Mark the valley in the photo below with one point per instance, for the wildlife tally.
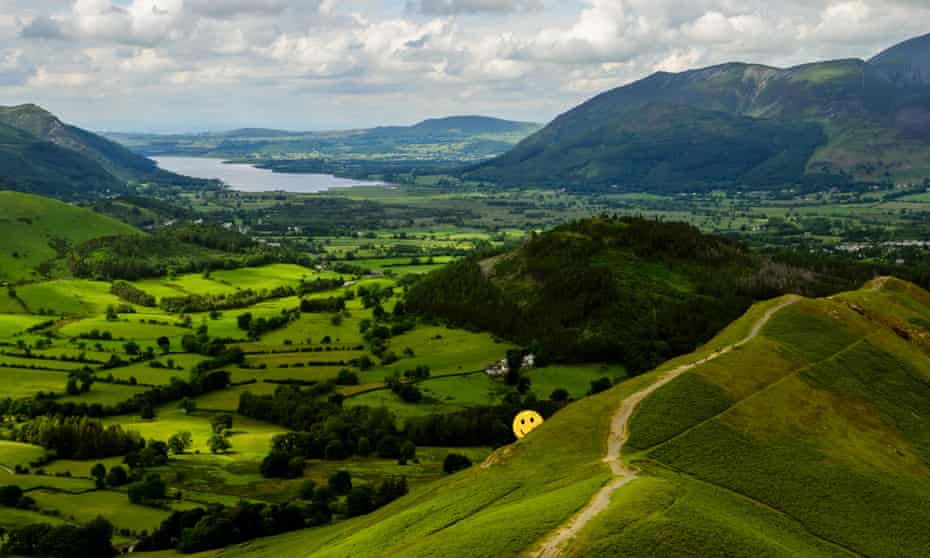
(689, 317)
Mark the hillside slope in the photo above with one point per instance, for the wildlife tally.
(631, 291)
(874, 116)
(36, 230)
(809, 440)
(41, 154)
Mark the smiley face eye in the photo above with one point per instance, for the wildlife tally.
(522, 421)
(532, 420)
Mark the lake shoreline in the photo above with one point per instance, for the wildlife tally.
(248, 178)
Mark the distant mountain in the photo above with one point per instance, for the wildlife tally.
(874, 119)
(449, 141)
(41, 154)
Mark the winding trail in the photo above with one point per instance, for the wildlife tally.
(552, 546)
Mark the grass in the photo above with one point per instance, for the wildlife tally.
(11, 324)
(576, 379)
(20, 383)
(113, 505)
(105, 394)
(11, 518)
(14, 453)
(30, 223)
(73, 297)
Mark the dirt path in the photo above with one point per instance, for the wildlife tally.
(620, 433)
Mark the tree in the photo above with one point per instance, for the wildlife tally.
(131, 348)
(359, 501)
(71, 388)
(408, 452)
(164, 344)
(112, 316)
(117, 476)
(307, 489)
(599, 385)
(514, 362)
(99, 472)
(149, 489)
(222, 422)
(244, 321)
(180, 442)
(559, 395)
(455, 462)
(340, 482)
(347, 378)
(218, 444)
(364, 446)
(147, 412)
(188, 405)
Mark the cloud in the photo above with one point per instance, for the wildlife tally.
(351, 63)
(43, 27)
(450, 7)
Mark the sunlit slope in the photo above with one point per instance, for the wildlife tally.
(812, 440)
(504, 509)
(35, 230)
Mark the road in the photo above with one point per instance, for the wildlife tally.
(552, 545)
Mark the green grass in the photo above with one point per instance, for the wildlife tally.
(19, 383)
(14, 453)
(11, 518)
(576, 379)
(11, 324)
(128, 327)
(105, 394)
(69, 296)
(29, 223)
(113, 505)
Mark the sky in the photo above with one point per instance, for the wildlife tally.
(196, 65)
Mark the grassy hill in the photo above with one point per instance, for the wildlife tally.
(41, 154)
(631, 291)
(614, 139)
(810, 440)
(36, 230)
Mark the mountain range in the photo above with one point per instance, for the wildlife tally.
(739, 126)
(41, 154)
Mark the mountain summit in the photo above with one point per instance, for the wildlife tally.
(852, 120)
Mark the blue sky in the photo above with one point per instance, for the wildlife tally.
(192, 65)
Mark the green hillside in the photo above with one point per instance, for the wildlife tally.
(41, 154)
(806, 435)
(36, 230)
(620, 139)
(631, 291)
(30, 165)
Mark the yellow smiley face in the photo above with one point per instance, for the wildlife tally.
(526, 422)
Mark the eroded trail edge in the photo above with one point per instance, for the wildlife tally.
(553, 545)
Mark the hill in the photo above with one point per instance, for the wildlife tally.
(36, 231)
(631, 291)
(28, 164)
(805, 436)
(41, 154)
(872, 116)
(434, 145)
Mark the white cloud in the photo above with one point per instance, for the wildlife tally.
(398, 61)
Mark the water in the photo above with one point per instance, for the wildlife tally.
(246, 178)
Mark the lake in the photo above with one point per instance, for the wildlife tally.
(246, 178)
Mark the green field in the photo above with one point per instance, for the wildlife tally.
(30, 224)
(14, 453)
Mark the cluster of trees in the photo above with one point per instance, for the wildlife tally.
(260, 326)
(201, 382)
(132, 294)
(217, 302)
(329, 305)
(323, 429)
(220, 526)
(79, 437)
(12, 496)
(92, 540)
(625, 290)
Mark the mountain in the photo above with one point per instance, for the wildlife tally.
(36, 231)
(631, 291)
(41, 154)
(444, 143)
(801, 430)
(873, 117)
(29, 164)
